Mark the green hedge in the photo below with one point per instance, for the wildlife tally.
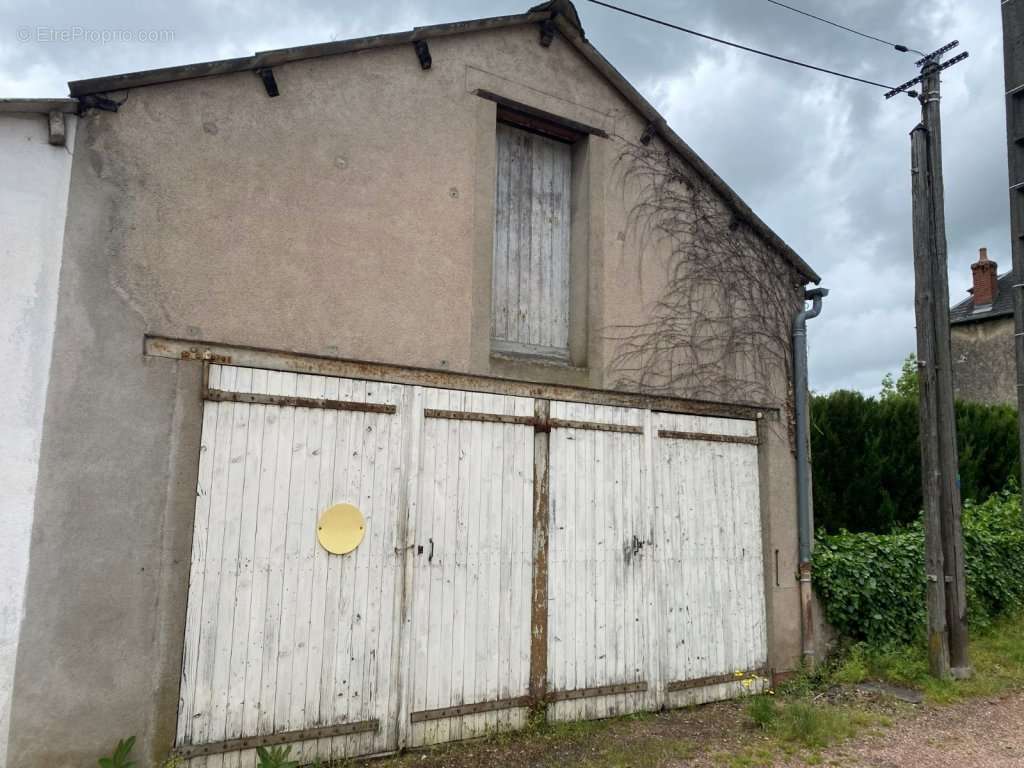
(867, 463)
(873, 585)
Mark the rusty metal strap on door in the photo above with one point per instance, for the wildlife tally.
(601, 690)
(470, 709)
(541, 553)
(287, 737)
(708, 437)
(530, 421)
(221, 396)
(702, 682)
(493, 418)
(595, 425)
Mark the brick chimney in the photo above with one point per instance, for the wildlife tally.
(986, 287)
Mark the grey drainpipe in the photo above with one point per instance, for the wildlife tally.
(803, 466)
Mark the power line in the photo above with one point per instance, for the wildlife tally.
(898, 46)
(737, 45)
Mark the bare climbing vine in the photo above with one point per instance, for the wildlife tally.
(720, 330)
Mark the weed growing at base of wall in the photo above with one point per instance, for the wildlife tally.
(275, 757)
(120, 757)
(873, 585)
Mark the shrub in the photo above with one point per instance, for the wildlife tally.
(867, 461)
(994, 556)
(873, 585)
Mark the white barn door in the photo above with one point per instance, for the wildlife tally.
(468, 618)
(656, 591)
(601, 578)
(282, 637)
(709, 558)
(423, 634)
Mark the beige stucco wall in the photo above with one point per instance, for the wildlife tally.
(983, 361)
(348, 217)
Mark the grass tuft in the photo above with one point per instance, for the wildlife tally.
(803, 723)
(762, 710)
(997, 656)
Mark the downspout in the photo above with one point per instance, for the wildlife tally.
(803, 468)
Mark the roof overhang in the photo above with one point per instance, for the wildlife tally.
(38, 106)
(273, 58)
(561, 12)
(981, 317)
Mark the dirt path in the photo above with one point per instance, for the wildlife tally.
(977, 734)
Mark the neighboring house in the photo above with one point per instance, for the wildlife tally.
(37, 137)
(981, 337)
(394, 273)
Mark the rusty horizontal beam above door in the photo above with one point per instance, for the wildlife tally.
(220, 396)
(278, 360)
(494, 418)
(702, 682)
(595, 425)
(470, 709)
(601, 690)
(708, 437)
(286, 737)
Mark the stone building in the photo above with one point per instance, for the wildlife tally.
(981, 336)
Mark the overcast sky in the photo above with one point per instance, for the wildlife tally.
(825, 162)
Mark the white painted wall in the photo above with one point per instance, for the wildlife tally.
(33, 205)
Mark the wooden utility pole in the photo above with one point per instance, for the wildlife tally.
(931, 480)
(952, 533)
(944, 559)
(1013, 73)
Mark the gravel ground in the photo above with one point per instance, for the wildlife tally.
(985, 733)
(980, 733)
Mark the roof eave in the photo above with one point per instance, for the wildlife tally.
(273, 58)
(982, 317)
(37, 106)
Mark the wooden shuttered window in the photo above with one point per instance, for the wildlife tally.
(530, 283)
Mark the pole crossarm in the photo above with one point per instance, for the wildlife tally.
(930, 58)
(936, 54)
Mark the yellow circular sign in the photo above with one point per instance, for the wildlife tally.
(341, 529)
